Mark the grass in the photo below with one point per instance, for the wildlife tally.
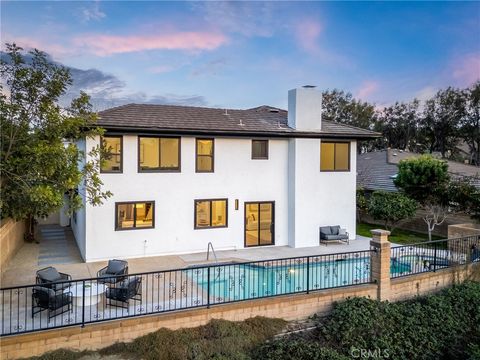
(397, 236)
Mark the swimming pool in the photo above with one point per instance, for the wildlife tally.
(252, 280)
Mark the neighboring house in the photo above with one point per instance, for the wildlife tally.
(186, 176)
(376, 170)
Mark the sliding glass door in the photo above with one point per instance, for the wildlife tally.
(259, 223)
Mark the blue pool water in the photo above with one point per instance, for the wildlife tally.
(247, 281)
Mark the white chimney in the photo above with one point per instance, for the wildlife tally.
(305, 108)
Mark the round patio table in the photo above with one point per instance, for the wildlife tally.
(93, 293)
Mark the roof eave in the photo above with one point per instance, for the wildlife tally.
(237, 133)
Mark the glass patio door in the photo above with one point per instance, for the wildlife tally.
(259, 223)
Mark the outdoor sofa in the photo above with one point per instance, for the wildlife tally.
(333, 233)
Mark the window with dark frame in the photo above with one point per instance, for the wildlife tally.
(112, 154)
(211, 213)
(204, 159)
(334, 156)
(157, 154)
(260, 149)
(134, 215)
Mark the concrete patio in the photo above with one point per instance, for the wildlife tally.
(31, 257)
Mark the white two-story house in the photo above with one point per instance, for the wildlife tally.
(182, 177)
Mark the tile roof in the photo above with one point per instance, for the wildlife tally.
(375, 169)
(260, 120)
(374, 172)
(454, 167)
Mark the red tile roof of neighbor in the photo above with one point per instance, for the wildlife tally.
(262, 120)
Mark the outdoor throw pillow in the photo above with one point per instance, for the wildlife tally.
(115, 267)
(335, 229)
(50, 275)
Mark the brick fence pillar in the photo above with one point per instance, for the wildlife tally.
(381, 262)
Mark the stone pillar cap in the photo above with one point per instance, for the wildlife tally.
(380, 232)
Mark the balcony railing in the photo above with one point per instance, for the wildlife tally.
(34, 308)
(434, 255)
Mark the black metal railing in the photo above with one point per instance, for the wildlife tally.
(79, 302)
(433, 255)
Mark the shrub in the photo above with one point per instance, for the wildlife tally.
(391, 207)
(290, 348)
(442, 326)
(62, 354)
(219, 339)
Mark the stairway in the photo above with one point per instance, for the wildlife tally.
(57, 246)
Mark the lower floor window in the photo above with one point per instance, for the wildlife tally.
(211, 213)
(134, 215)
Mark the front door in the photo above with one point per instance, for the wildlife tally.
(259, 223)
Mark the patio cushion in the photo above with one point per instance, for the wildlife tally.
(325, 230)
(45, 292)
(50, 275)
(335, 229)
(115, 267)
(342, 232)
(336, 237)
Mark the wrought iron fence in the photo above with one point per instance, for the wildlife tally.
(79, 302)
(433, 255)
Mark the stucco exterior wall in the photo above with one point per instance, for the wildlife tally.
(77, 222)
(316, 198)
(320, 198)
(236, 176)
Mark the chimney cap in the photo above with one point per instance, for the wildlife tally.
(309, 86)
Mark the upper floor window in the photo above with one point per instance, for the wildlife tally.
(334, 156)
(134, 215)
(211, 213)
(259, 149)
(158, 154)
(204, 155)
(111, 154)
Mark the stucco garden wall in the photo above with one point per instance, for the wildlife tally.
(11, 240)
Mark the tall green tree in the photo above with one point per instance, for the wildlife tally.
(426, 180)
(39, 158)
(465, 195)
(342, 107)
(440, 125)
(470, 123)
(400, 125)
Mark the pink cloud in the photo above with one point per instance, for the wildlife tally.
(104, 45)
(307, 33)
(54, 50)
(466, 70)
(367, 88)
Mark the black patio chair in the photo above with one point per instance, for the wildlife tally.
(111, 274)
(50, 277)
(121, 294)
(44, 298)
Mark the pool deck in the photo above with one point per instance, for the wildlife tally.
(21, 269)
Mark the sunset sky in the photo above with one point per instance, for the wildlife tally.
(244, 54)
